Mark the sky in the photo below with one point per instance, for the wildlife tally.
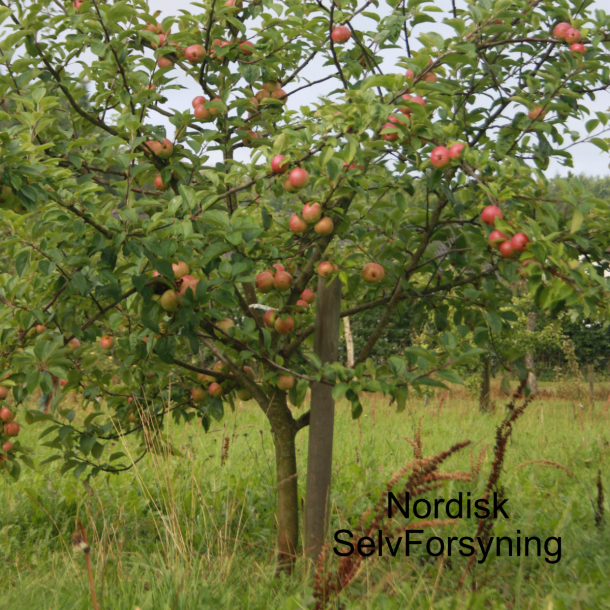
(586, 157)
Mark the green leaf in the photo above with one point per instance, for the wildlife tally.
(339, 390)
(22, 262)
(577, 220)
(166, 349)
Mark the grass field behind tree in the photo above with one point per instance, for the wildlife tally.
(197, 531)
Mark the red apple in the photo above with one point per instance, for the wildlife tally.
(302, 305)
(312, 212)
(225, 324)
(219, 367)
(195, 53)
(389, 137)
(264, 282)
(40, 328)
(163, 150)
(246, 47)
(180, 269)
(204, 379)
(519, 242)
(188, 281)
(496, 238)
(277, 267)
(506, 249)
(277, 164)
(439, 157)
(309, 296)
(430, 77)
(324, 226)
(298, 177)
(490, 213)
(455, 151)
(159, 183)
(288, 186)
(410, 74)
(11, 429)
(106, 342)
(249, 371)
(198, 101)
(165, 62)
(285, 383)
(215, 390)
(284, 325)
(8, 446)
(6, 415)
(325, 269)
(198, 394)
(579, 48)
(282, 281)
(279, 94)
(537, 113)
(271, 86)
(561, 29)
(411, 98)
(74, 343)
(297, 224)
(341, 34)
(3, 392)
(63, 382)
(201, 113)
(77, 4)
(372, 273)
(573, 35)
(270, 317)
(169, 300)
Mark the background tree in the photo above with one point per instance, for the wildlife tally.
(250, 193)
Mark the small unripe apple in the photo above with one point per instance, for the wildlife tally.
(278, 166)
(198, 394)
(3, 392)
(439, 157)
(298, 177)
(270, 317)
(6, 415)
(455, 150)
(285, 382)
(264, 282)
(297, 224)
(198, 101)
(159, 183)
(573, 35)
(326, 269)
(279, 94)
(538, 113)
(180, 269)
(225, 325)
(11, 429)
(74, 343)
(246, 47)
(219, 367)
(324, 226)
(519, 242)
(579, 48)
(490, 213)
(201, 113)
(372, 273)
(188, 281)
(561, 29)
(312, 212)
(249, 371)
(288, 186)
(284, 325)
(506, 249)
(215, 390)
(244, 394)
(165, 62)
(341, 34)
(410, 74)
(204, 379)
(195, 53)
(106, 342)
(309, 296)
(8, 446)
(271, 86)
(169, 300)
(40, 328)
(282, 281)
(496, 238)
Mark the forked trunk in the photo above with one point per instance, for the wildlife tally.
(283, 427)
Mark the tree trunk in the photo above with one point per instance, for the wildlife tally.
(529, 357)
(321, 421)
(484, 399)
(284, 431)
(349, 342)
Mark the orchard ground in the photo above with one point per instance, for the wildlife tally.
(197, 531)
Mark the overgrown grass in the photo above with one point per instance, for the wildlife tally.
(191, 532)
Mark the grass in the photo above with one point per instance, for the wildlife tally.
(193, 532)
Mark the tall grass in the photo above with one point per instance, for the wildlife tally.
(198, 531)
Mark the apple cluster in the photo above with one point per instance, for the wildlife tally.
(508, 246)
(10, 426)
(564, 31)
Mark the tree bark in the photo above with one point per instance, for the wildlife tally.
(321, 421)
(529, 357)
(284, 431)
(349, 342)
(484, 399)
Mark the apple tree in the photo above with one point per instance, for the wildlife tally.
(212, 261)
